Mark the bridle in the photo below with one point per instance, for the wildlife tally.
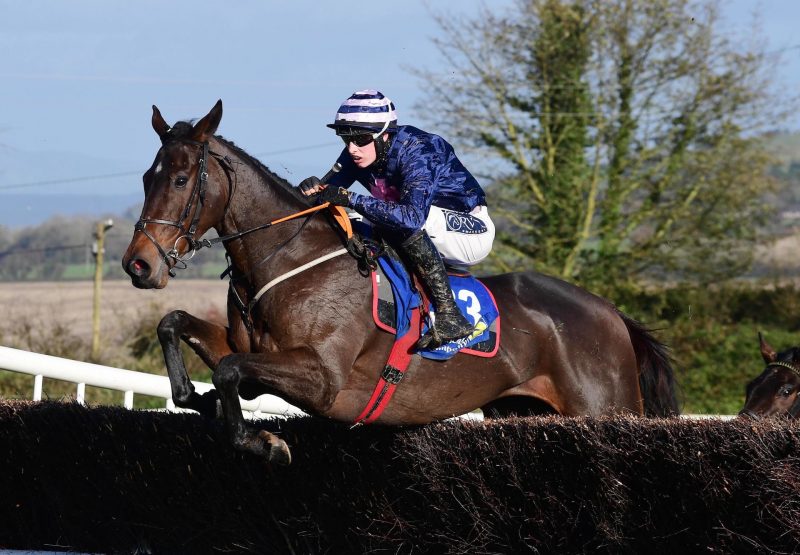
(199, 191)
(782, 364)
(171, 257)
(793, 410)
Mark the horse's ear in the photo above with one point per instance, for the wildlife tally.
(767, 352)
(161, 127)
(207, 126)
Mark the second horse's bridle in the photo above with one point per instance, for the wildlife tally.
(788, 365)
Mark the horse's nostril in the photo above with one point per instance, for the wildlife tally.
(748, 414)
(138, 267)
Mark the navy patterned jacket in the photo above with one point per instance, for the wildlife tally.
(424, 170)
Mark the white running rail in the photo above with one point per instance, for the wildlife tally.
(130, 382)
(83, 373)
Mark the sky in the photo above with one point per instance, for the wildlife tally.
(78, 79)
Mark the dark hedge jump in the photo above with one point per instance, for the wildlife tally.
(117, 481)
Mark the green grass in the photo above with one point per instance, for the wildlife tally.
(211, 271)
(15, 385)
(79, 271)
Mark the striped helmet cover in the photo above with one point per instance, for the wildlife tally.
(367, 109)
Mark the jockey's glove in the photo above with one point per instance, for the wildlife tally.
(338, 196)
(308, 184)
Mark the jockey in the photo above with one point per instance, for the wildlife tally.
(421, 195)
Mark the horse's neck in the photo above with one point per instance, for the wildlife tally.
(257, 200)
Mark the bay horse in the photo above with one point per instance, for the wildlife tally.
(776, 391)
(310, 339)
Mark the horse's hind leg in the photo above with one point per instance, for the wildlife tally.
(206, 339)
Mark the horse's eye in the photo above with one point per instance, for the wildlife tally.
(786, 390)
(181, 181)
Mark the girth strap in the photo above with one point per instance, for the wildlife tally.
(393, 372)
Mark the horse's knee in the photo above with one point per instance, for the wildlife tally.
(226, 375)
(168, 326)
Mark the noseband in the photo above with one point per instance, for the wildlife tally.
(199, 191)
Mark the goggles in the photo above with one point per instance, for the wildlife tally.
(360, 139)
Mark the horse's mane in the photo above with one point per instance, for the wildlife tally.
(182, 130)
(789, 355)
(264, 170)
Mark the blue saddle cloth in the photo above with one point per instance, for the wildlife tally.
(472, 297)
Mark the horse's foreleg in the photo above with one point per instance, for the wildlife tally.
(296, 375)
(206, 339)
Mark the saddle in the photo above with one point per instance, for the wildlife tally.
(397, 307)
(395, 296)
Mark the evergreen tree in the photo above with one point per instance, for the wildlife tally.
(619, 137)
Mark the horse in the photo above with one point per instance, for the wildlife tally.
(310, 339)
(776, 391)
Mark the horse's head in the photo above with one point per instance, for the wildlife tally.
(186, 190)
(775, 392)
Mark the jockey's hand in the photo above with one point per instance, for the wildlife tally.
(310, 186)
(338, 196)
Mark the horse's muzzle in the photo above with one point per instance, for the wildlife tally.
(138, 268)
(142, 275)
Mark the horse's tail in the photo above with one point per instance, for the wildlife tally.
(656, 377)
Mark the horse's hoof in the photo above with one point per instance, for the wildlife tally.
(278, 451)
(266, 445)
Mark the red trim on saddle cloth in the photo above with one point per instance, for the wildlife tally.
(393, 372)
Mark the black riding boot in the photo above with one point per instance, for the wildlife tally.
(449, 323)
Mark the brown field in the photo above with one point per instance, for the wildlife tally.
(70, 303)
(56, 318)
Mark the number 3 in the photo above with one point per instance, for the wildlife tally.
(473, 304)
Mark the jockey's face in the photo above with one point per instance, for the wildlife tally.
(363, 156)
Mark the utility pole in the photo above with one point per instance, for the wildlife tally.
(97, 251)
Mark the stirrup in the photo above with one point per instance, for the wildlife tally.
(433, 339)
(430, 340)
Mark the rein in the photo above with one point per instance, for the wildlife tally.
(210, 242)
